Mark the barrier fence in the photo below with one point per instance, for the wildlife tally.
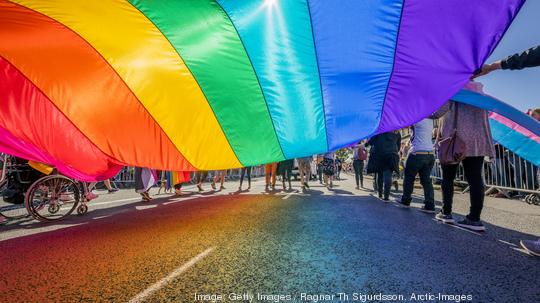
(126, 177)
(507, 174)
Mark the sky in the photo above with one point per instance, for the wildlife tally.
(518, 88)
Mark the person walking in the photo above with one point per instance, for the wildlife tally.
(470, 125)
(528, 58)
(338, 164)
(328, 169)
(420, 161)
(219, 176)
(284, 169)
(320, 168)
(385, 160)
(270, 170)
(359, 156)
(145, 178)
(304, 168)
(200, 177)
(243, 172)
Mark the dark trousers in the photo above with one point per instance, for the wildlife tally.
(243, 172)
(472, 167)
(384, 182)
(319, 172)
(421, 165)
(358, 166)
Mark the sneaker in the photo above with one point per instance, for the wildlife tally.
(444, 218)
(471, 225)
(113, 190)
(386, 199)
(358, 187)
(91, 196)
(306, 184)
(200, 188)
(533, 247)
(428, 209)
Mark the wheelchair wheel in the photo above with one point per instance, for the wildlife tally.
(52, 198)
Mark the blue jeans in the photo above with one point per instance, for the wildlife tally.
(421, 165)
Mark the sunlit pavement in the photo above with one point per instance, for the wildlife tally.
(267, 244)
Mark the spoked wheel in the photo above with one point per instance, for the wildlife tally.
(52, 198)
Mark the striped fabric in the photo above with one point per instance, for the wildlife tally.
(183, 85)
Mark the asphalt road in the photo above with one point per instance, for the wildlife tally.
(297, 246)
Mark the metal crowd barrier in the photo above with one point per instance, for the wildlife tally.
(126, 176)
(506, 173)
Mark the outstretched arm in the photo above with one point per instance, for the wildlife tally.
(528, 58)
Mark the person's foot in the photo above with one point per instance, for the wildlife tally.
(239, 188)
(284, 187)
(200, 188)
(213, 185)
(91, 196)
(428, 209)
(249, 187)
(471, 225)
(444, 218)
(221, 187)
(306, 184)
(386, 199)
(273, 187)
(532, 247)
(113, 190)
(357, 187)
(146, 197)
(266, 187)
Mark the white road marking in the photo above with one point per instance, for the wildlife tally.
(143, 207)
(114, 201)
(287, 196)
(158, 285)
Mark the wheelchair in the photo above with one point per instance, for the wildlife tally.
(26, 191)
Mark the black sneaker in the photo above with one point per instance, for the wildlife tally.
(428, 209)
(471, 225)
(444, 218)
